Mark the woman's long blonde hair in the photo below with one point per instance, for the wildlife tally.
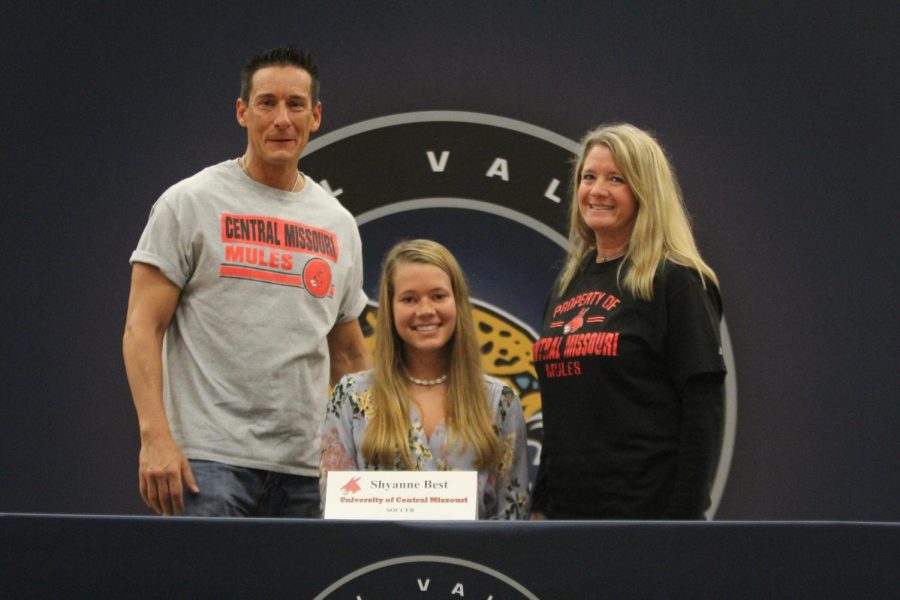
(662, 229)
(467, 415)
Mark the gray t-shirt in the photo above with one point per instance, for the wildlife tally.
(264, 276)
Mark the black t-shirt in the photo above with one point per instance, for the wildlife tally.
(611, 370)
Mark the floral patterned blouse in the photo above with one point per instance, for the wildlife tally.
(502, 491)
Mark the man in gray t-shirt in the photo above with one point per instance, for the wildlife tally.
(246, 288)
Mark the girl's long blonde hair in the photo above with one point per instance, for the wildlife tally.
(467, 415)
(662, 229)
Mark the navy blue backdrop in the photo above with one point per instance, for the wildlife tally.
(780, 118)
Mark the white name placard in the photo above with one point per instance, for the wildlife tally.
(413, 495)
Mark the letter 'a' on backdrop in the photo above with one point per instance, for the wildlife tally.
(495, 191)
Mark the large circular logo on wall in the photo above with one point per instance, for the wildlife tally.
(495, 192)
(425, 577)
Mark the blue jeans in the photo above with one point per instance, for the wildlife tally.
(229, 491)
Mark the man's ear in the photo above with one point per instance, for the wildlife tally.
(317, 117)
(239, 109)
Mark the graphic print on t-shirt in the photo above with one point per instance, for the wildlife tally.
(560, 354)
(273, 251)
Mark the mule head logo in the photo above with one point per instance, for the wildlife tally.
(351, 487)
(576, 323)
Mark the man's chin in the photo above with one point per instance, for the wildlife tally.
(282, 159)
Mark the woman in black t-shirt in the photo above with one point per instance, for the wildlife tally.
(629, 360)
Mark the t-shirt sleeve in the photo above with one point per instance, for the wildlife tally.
(693, 316)
(354, 299)
(163, 244)
(703, 406)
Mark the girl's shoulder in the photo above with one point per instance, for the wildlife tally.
(353, 387)
(498, 390)
(356, 381)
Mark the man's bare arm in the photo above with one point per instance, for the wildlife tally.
(348, 350)
(163, 469)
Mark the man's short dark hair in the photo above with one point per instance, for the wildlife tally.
(288, 55)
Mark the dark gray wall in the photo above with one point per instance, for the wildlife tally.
(780, 117)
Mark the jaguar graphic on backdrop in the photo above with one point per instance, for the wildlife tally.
(495, 191)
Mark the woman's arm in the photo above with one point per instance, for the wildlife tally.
(512, 479)
(702, 401)
(338, 444)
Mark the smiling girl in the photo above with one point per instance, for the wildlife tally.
(427, 405)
